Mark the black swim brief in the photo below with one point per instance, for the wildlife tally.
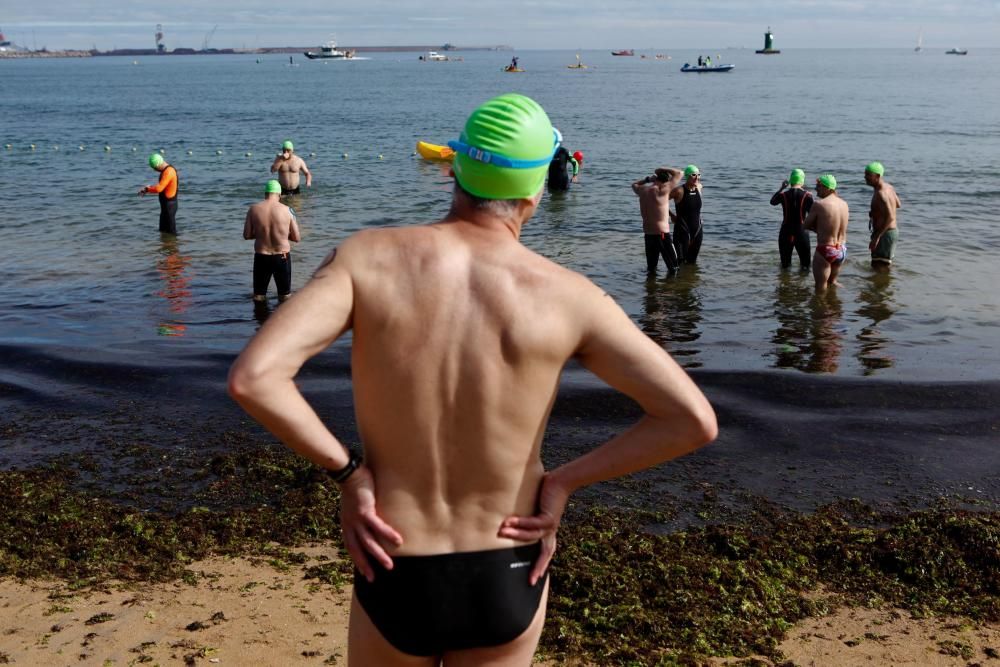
(294, 191)
(428, 605)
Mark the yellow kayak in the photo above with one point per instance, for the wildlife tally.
(512, 69)
(434, 152)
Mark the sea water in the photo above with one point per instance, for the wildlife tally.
(87, 278)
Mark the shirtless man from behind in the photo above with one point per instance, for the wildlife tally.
(460, 334)
(654, 206)
(288, 165)
(882, 215)
(828, 218)
(273, 228)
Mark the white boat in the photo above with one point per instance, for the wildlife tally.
(920, 42)
(328, 50)
(434, 56)
(957, 52)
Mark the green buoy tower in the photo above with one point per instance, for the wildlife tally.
(768, 43)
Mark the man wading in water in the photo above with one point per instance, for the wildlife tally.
(459, 337)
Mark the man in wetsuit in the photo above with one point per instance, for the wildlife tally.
(688, 230)
(166, 189)
(654, 206)
(795, 204)
(273, 228)
(882, 216)
(828, 218)
(288, 166)
(460, 334)
(559, 168)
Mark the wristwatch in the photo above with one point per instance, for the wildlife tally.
(340, 476)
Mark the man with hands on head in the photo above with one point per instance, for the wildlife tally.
(654, 207)
(460, 334)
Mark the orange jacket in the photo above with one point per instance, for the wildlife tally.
(167, 184)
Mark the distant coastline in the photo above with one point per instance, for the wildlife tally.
(415, 48)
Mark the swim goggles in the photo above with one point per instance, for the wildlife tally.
(498, 160)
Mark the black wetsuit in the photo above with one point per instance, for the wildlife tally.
(688, 230)
(279, 266)
(657, 245)
(168, 208)
(795, 205)
(558, 171)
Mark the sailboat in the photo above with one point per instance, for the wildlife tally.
(920, 42)
(579, 64)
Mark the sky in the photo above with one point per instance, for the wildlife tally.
(534, 24)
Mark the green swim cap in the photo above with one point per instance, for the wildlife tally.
(691, 169)
(797, 177)
(875, 168)
(505, 149)
(273, 187)
(828, 181)
(155, 160)
(287, 146)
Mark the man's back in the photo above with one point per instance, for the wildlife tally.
(885, 201)
(654, 206)
(273, 226)
(831, 214)
(459, 339)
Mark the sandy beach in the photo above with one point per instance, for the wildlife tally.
(244, 611)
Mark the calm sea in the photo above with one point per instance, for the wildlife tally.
(87, 277)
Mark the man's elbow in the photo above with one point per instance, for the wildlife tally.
(242, 383)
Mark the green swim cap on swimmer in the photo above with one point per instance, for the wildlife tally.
(691, 169)
(875, 168)
(827, 181)
(273, 187)
(287, 146)
(155, 160)
(505, 149)
(797, 177)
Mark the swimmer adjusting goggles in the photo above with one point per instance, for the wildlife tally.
(498, 160)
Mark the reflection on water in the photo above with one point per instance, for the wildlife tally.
(261, 311)
(809, 336)
(672, 312)
(171, 266)
(879, 300)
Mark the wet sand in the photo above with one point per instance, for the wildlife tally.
(799, 441)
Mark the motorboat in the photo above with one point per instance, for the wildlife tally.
(434, 56)
(327, 51)
(706, 68)
(957, 52)
(623, 52)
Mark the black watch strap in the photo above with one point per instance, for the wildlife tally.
(340, 476)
